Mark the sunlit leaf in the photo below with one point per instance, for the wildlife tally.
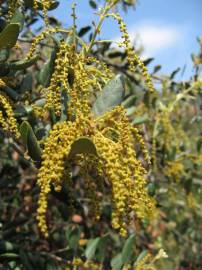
(82, 145)
(30, 141)
(9, 35)
(111, 96)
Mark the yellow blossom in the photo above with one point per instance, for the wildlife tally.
(7, 119)
(116, 160)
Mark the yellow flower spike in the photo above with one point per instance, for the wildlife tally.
(117, 161)
(112, 134)
(124, 171)
(38, 39)
(38, 111)
(13, 5)
(46, 5)
(8, 122)
(174, 170)
(141, 141)
(106, 72)
(56, 148)
(144, 263)
(91, 189)
(133, 58)
(82, 80)
(168, 131)
(58, 79)
(153, 154)
(35, 4)
(191, 201)
(80, 93)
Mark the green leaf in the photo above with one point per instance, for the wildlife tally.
(19, 18)
(26, 85)
(4, 54)
(22, 111)
(148, 61)
(9, 35)
(51, 266)
(2, 23)
(83, 31)
(91, 248)
(82, 145)
(9, 255)
(37, 260)
(123, 258)
(174, 73)
(151, 188)
(24, 257)
(115, 54)
(47, 70)
(73, 238)
(11, 93)
(102, 248)
(30, 141)
(112, 95)
(130, 101)
(116, 262)
(24, 131)
(41, 133)
(71, 76)
(141, 256)
(13, 265)
(23, 64)
(6, 247)
(4, 70)
(130, 111)
(140, 120)
(34, 149)
(156, 69)
(40, 102)
(53, 116)
(128, 249)
(64, 103)
(93, 4)
(199, 144)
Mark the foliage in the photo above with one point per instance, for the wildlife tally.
(79, 120)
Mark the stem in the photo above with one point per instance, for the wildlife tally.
(74, 23)
(97, 30)
(106, 8)
(105, 41)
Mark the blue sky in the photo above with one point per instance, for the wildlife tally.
(166, 29)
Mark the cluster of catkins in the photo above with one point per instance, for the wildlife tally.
(113, 136)
(7, 119)
(37, 4)
(78, 75)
